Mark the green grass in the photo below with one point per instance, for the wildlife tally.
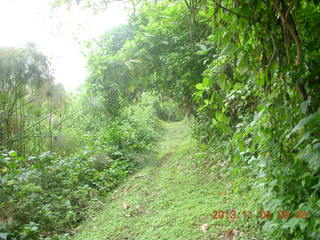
(171, 197)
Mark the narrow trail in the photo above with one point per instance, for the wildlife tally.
(170, 198)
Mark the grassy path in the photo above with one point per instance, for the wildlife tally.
(170, 198)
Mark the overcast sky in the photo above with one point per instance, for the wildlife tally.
(56, 33)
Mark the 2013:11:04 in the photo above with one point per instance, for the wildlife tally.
(232, 214)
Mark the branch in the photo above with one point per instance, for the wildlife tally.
(187, 4)
(274, 49)
(238, 14)
(21, 106)
(17, 135)
(29, 136)
(199, 36)
(290, 29)
(72, 115)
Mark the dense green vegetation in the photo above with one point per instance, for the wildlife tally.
(30, 102)
(47, 194)
(173, 196)
(245, 71)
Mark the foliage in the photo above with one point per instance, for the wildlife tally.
(42, 195)
(30, 102)
(254, 95)
(248, 71)
(156, 194)
(133, 131)
(168, 110)
(47, 194)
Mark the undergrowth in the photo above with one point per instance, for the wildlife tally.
(46, 196)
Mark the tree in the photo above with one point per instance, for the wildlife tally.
(27, 93)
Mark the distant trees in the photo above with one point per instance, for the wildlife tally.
(29, 99)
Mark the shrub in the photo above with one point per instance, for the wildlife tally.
(168, 111)
(46, 194)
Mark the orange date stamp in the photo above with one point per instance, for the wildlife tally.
(247, 215)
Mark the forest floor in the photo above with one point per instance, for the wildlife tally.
(172, 197)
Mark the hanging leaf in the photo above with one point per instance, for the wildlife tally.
(311, 119)
(261, 78)
(200, 86)
(242, 63)
(206, 82)
(224, 128)
(312, 157)
(221, 117)
(12, 154)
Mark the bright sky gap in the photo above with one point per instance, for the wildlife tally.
(58, 33)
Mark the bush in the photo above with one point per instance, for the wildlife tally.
(42, 195)
(129, 134)
(167, 110)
